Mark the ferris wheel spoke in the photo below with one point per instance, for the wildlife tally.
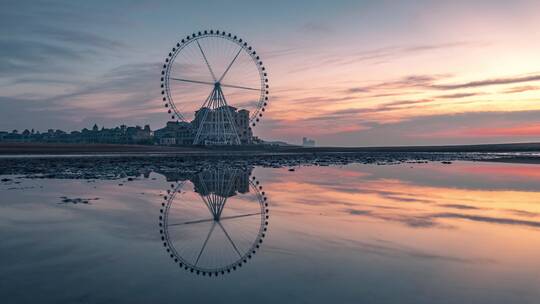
(239, 87)
(205, 242)
(206, 60)
(193, 81)
(239, 216)
(190, 222)
(230, 64)
(230, 240)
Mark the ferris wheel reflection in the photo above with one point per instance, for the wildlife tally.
(214, 222)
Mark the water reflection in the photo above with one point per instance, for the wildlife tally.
(415, 233)
(214, 221)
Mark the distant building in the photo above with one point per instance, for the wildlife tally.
(243, 128)
(306, 142)
(118, 135)
(175, 133)
(240, 118)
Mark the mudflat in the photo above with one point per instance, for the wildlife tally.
(57, 148)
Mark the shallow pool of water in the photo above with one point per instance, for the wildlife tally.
(410, 233)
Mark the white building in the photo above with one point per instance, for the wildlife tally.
(306, 142)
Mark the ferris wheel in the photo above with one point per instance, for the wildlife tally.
(215, 223)
(206, 77)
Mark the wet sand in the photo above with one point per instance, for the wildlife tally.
(119, 161)
(178, 166)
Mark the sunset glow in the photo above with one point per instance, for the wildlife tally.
(343, 74)
(308, 151)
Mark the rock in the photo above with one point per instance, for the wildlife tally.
(77, 200)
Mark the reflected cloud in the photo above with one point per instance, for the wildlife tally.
(430, 220)
(438, 196)
(488, 219)
(391, 249)
(409, 220)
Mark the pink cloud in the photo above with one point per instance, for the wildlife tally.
(525, 130)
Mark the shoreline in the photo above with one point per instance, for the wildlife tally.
(89, 149)
(28, 157)
(176, 166)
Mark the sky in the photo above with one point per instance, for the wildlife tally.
(345, 73)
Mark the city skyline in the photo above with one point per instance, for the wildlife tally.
(349, 74)
(174, 133)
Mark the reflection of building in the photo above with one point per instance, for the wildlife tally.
(238, 178)
(306, 142)
(225, 183)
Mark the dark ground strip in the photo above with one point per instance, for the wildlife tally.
(179, 167)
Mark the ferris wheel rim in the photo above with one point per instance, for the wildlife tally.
(167, 97)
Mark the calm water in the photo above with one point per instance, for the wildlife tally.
(412, 233)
